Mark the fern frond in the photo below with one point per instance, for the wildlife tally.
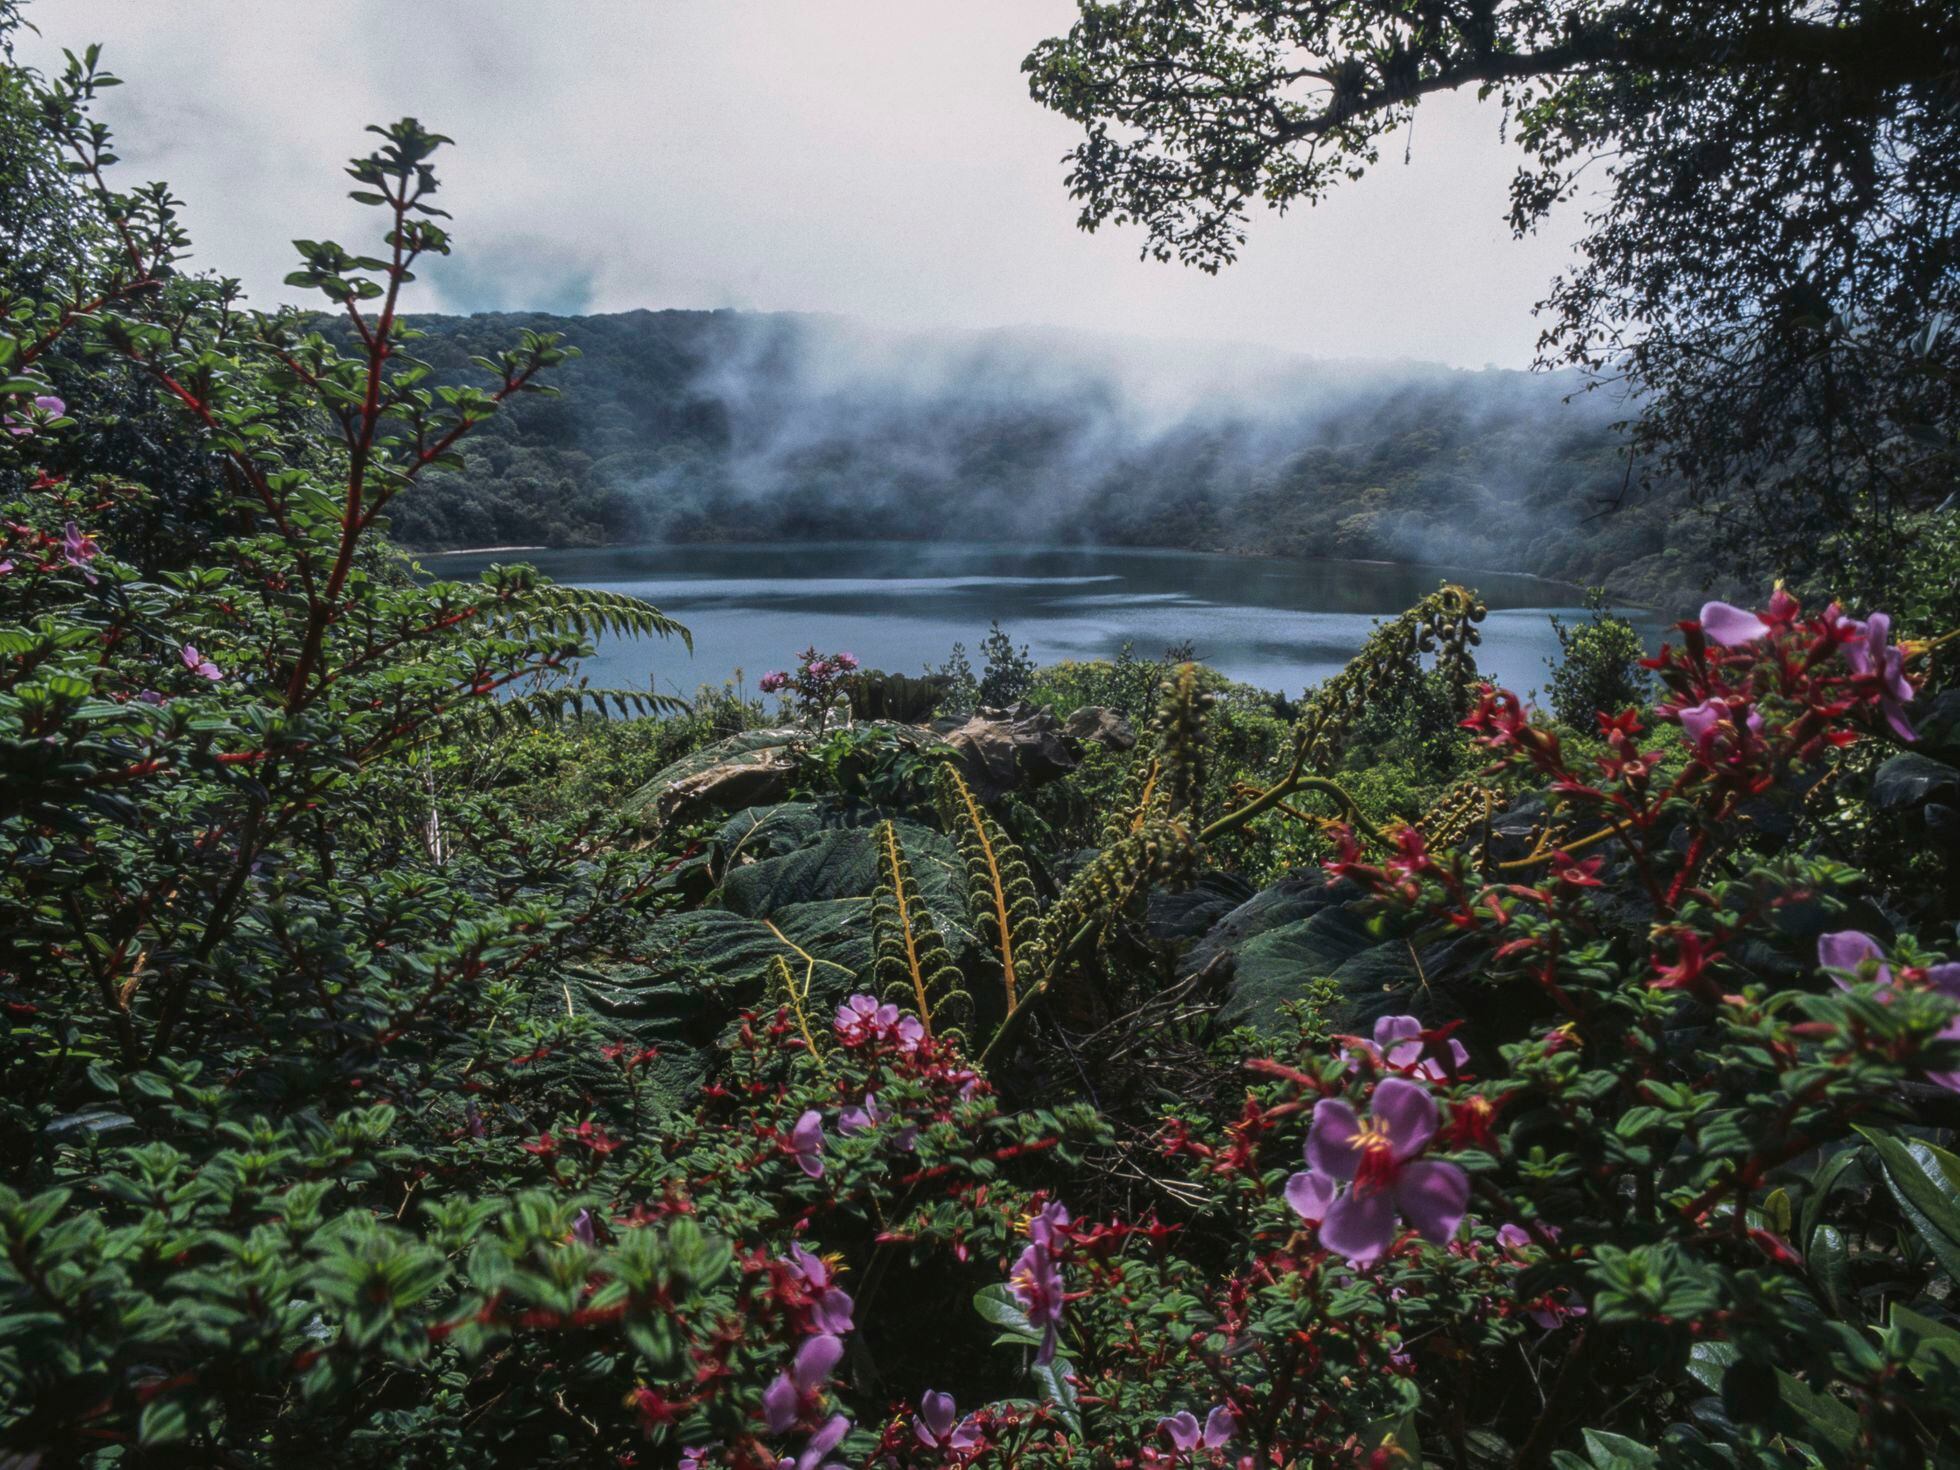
(584, 612)
(1443, 623)
(1180, 731)
(786, 991)
(909, 957)
(1163, 852)
(559, 702)
(1000, 886)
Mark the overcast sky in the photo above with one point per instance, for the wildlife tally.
(876, 158)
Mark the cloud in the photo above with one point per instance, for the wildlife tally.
(880, 161)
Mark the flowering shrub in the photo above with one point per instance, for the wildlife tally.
(816, 684)
(347, 1108)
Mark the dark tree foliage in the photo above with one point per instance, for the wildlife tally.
(1771, 251)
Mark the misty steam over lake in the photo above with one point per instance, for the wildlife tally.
(1280, 625)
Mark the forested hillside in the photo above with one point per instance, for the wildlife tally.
(719, 426)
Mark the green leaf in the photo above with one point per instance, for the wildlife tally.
(1830, 1267)
(1058, 1389)
(1925, 1181)
(1617, 1452)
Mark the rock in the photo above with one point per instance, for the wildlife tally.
(1102, 726)
(1002, 749)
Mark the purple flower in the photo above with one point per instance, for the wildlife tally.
(820, 1444)
(909, 1033)
(830, 1304)
(773, 681)
(806, 1143)
(6, 565)
(858, 1120)
(1037, 1285)
(1310, 1195)
(78, 549)
(1869, 656)
(46, 404)
(198, 664)
(844, 661)
(1398, 1044)
(1731, 626)
(1701, 722)
(1846, 952)
(1378, 1161)
(1551, 1311)
(1050, 1225)
(797, 1387)
(1513, 1237)
(1185, 1434)
(935, 1427)
(582, 1230)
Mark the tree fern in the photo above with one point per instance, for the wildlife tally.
(909, 956)
(999, 886)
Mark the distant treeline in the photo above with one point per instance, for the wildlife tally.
(731, 426)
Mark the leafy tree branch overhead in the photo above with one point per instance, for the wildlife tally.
(1768, 193)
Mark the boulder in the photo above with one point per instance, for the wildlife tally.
(1002, 749)
(1099, 725)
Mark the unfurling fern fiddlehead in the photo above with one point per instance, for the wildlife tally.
(909, 956)
(1000, 888)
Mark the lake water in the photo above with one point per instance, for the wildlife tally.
(898, 606)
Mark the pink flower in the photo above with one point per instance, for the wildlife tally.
(1398, 1045)
(773, 681)
(1702, 722)
(1037, 1278)
(934, 1424)
(1182, 1427)
(78, 549)
(795, 1390)
(1731, 626)
(817, 670)
(844, 661)
(1514, 1237)
(198, 664)
(1870, 657)
(806, 1143)
(45, 406)
(860, 1018)
(1378, 1161)
(582, 1229)
(830, 1304)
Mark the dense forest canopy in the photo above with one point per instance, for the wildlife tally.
(727, 426)
(1772, 246)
